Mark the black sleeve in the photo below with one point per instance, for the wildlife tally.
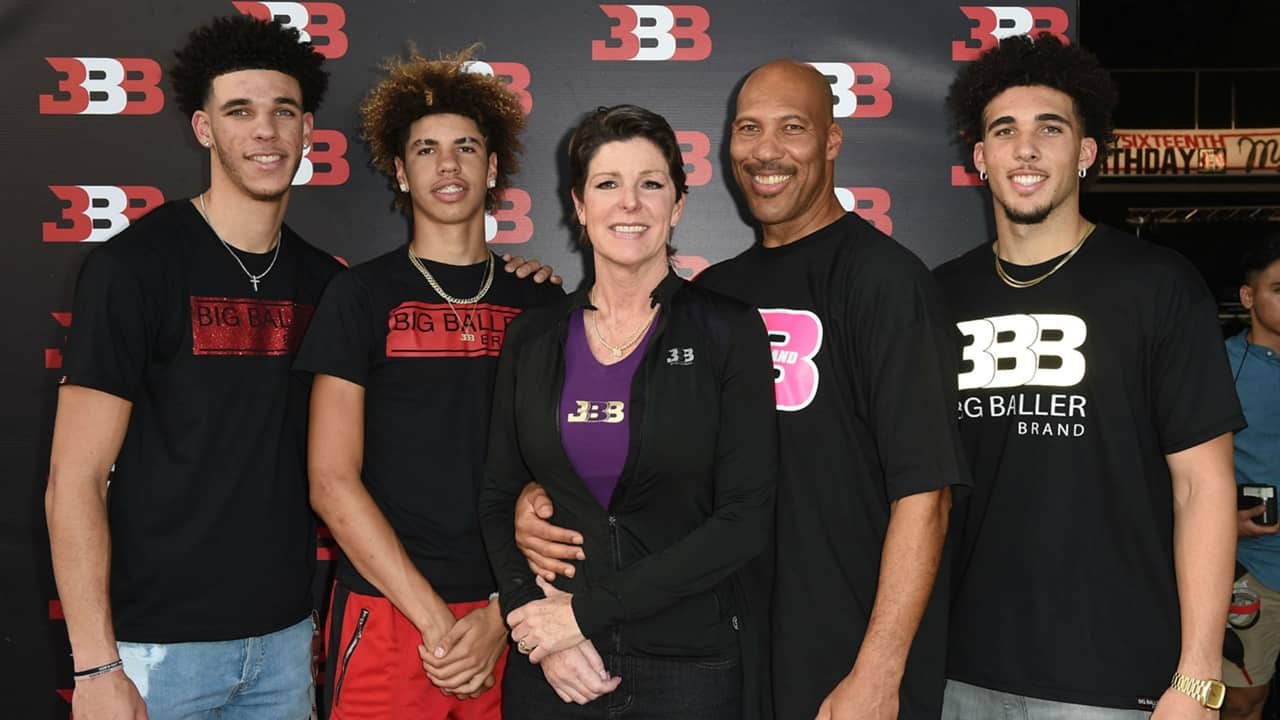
(907, 352)
(1194, 399)
(341, 337)
(505, 475)
(113, 328)
(741, 521)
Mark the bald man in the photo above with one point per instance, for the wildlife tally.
(865, 361)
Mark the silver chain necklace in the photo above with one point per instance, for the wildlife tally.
(254, 279)
(451, 300)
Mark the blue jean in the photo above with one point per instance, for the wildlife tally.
(651, 689)
(259, 678)
(963, 701)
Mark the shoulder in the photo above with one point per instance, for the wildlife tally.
(151, 249)
(377, 269)
(714, 316)
(312, 257)
(523, 292)
(358, 280)
(974, 260)
(1151, 268)
(869, 251)
(1114, 245)
(537, 321)
(164, 231)
(880, 274)
(707, 302)
(730, 275)
(1237, 345)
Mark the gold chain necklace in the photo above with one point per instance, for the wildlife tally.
(451, 300)
(618, 350)
(1015, 283)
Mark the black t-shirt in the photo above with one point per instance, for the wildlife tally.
(1071, 394)
(427, 399)
(865, 387)
(212, 535)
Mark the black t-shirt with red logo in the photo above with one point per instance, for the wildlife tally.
(212, 535)
(427, 397)
(1072, 392)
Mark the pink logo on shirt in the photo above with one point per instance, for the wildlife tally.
(795, 336)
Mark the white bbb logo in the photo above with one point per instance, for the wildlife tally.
(1007, 351)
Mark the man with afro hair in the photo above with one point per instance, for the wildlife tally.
(404, 350)
(182, 543)
(1095, 553)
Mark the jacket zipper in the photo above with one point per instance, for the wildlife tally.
(346, 656)
(616, 547)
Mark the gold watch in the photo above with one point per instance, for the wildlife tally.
(1208, 693)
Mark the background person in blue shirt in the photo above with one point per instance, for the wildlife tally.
(1255, 364)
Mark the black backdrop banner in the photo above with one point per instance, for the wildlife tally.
(92, 140)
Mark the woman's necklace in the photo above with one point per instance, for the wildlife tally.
(619, 350)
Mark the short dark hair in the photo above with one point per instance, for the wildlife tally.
(1259, 256)
(414, 88)
(241, 42)
(619, 124)
(1020, 61)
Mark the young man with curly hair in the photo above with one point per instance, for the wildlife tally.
(1095, 553)
(188, 564)
(404, 349)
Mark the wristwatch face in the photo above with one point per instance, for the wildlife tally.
(1214, 695)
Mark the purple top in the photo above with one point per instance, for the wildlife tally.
(595, 419)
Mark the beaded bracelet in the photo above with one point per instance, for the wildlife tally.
(97, 671)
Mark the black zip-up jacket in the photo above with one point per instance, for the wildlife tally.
(694, 501)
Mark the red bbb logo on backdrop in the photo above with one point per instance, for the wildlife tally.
(962, 176)
(655, 33)
(93, 213)
(515, 75)
(694, 148)
(104, 86)
(871, 203)
(325, 162)
(53, 356)
(319, 22)
(509, 223)
(994, 23)
(860, 90)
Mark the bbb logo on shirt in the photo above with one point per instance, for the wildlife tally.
(679, 356)
(1007, 351)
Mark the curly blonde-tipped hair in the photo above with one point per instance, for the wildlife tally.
(415, 87)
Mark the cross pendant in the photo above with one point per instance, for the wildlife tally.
(468, 337)
(254, 280)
